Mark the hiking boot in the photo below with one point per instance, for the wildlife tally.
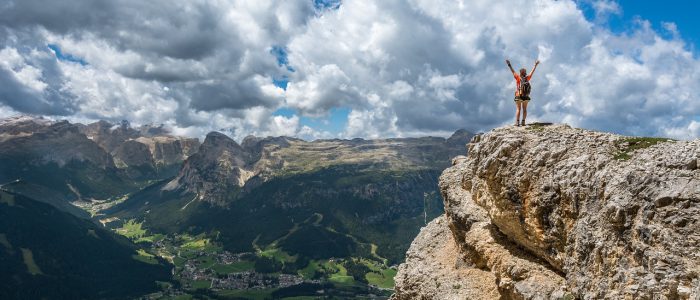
(523, 123)
(517, 123)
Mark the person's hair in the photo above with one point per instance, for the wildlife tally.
(523, 72)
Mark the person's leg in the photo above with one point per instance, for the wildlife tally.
(517, 111)
(524, 105)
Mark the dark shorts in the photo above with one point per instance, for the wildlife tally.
(520, 98)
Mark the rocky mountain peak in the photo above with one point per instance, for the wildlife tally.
(250, 141)
(108, 135)
(61, 127)
(160, 150)
(218, 140)
(153, 130)
(39, 141)
(217, 146)
(144, 153)
(220, 165)
(460, 137)
(22, 124)
(552, 212)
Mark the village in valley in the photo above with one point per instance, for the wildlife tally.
(202, 266)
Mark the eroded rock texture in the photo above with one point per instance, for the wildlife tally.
(555, 212)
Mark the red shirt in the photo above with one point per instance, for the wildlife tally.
(517, 82)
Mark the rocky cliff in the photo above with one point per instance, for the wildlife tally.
(553, 212)
(140, 151)
(144, 149)
(38, 142)
(166, 150)
(218, 169)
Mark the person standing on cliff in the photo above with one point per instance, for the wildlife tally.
(522, 91)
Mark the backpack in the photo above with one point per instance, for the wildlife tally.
(524, 87)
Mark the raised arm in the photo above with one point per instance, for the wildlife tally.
(511, 67)
(533, 68)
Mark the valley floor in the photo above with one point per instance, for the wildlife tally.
(203, 269)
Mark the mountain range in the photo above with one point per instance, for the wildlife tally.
(331, 215)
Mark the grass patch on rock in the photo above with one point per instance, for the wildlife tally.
(626, 146)
(537, 126)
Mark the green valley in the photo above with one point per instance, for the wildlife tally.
(270, 218)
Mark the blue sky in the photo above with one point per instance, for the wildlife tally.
(64, 56)
(334, 122)
(684, 13)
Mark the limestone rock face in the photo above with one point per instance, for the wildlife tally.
(39, 143)
(19, 126)
(164, 149)
(133, 153)
(136, 158)
(169, 150)
(146, 146)
(555, 212)
(216, 170)
(435, 269)
(108, 135)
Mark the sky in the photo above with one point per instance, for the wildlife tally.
(352, 68)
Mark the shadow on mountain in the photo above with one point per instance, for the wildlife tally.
(50, 254)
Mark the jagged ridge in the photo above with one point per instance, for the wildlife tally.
(222, 167)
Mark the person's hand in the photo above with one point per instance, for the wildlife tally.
(508, 62)
(537, 62)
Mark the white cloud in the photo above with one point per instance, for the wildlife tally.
(26, 74)
(403, 68)
(605, 8)
(438, 65)
(311, 134)
(375, 123)
(689, 132)
(325, 88)
(284, 126)
(6, 112)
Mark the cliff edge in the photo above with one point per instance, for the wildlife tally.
(554, 212)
